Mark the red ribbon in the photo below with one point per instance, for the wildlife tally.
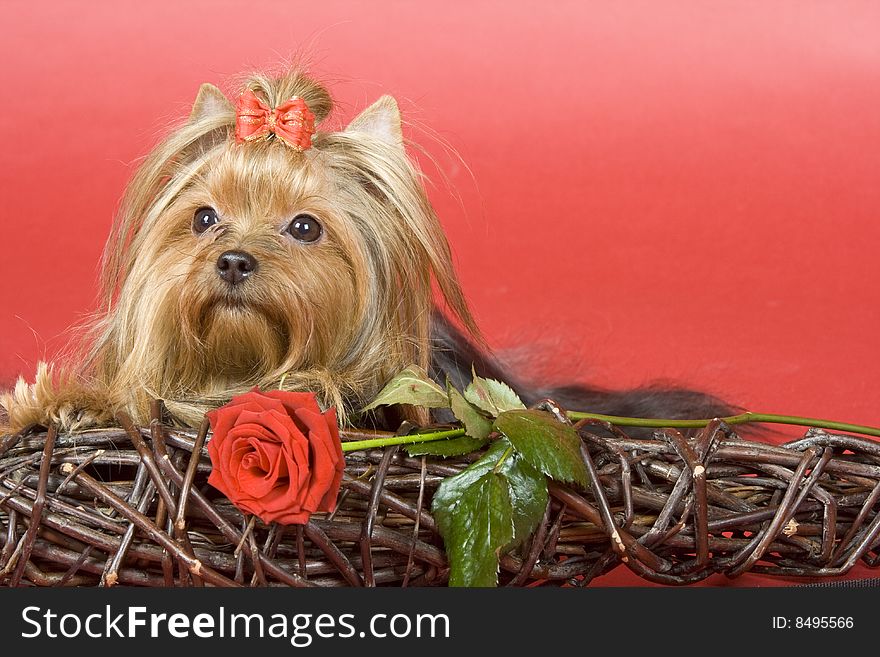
(292, 121)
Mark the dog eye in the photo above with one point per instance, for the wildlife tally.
(203, 219)
(305, 228)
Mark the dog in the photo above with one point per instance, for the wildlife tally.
(254, 248)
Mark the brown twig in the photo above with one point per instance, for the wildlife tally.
(37, 512)
(146, 525)
(336, 556)
(366, 536)
(410, 559)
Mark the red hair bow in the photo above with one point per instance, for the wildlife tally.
(292, 121)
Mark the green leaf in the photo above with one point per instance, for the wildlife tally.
(475, 519)
(476, 425)
(492, 396)
(547, 444)
(463, 499)
(528, 487)
(477, 469)
(449, 447)
(412, 386)
(528, 496)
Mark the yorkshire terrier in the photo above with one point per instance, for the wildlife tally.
(253, 248)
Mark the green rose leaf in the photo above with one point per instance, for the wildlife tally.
(528, 496)
(412, 386)
(476, 522)
(476, 425)
(462, 500)
(545, 443)
(449, 447)
(492, 396)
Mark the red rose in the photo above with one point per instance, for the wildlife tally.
(275, 455)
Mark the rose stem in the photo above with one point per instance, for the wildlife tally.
(401, 440)
(742, 418)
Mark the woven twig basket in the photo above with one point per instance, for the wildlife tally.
(132, 506)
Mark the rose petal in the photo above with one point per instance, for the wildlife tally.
(256, 397)
(254, 485)
(287, 496)
(277, 422)
(287, 517)
(299, 474)
(328, 503)
(252, 461)
(323, 472)
(293, 461)
(262, 457)
(295, 400)
(315, 422)
(326, 453)
(224, 466)
(295, 443)
(279, 499)
(321, 453)
(223, 418)
(232, 449)
(252, 430)
(258, 472)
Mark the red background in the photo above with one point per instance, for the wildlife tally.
(680, 190)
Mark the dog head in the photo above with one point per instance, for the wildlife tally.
(239, 262)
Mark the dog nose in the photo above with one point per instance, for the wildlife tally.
(235, 266)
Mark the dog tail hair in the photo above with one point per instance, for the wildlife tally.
(455, 354)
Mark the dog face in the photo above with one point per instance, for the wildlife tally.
(239, 264)
(261, 267)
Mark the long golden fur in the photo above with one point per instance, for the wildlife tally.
(338, 316)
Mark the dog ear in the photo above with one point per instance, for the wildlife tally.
(210, 101)
(380, 120)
